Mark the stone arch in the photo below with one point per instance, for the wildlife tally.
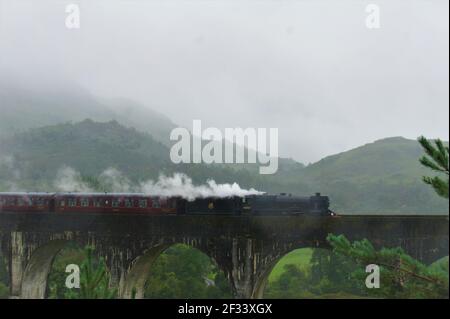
(260, 281)
(34, 280)
(136, 278)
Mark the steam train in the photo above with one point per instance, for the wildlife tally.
(130, 203)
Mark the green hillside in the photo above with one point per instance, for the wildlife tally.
(22, 108)
(377, 177)
(30, 160)
(381, 177)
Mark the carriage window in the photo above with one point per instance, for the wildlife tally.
(62, 203)
(72, 202)
(128, 203)
(84, 202)
(115, 203)
(20, 202)
(156, 203)
(142, 203)
(97, 203)
(10, 202)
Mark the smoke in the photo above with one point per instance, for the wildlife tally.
(9, 174)
(182, 185)
(68, 180)
(114, 180)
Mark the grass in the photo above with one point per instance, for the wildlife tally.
(300, 257)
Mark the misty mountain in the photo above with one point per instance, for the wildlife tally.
(22, 108)
(88, 146)
(377, 177)
(380, 177)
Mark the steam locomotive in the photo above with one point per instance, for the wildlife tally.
(131, 203)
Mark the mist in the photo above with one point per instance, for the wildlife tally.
(310, 68)
(179, 185)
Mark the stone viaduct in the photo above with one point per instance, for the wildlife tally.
(245, 248)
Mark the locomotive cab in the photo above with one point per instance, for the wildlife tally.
(319, 204)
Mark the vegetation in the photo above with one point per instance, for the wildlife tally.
(401, 275)
(56, 288)
(381, 177)
(325, 275)
(298, 257)
(184, 272)
(4, 289)
(179, 272)
(23, 109)
(94, 278)
(437, 160)
(341, 273)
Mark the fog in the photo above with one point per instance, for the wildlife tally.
(310, 68)
(181, 185)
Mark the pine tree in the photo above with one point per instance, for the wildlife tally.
(401, 275)
(94, 280)
(437, 160)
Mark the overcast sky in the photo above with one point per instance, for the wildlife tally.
(310, 68)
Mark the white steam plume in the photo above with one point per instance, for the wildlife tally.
(12, 173)
(68, 180)
(115, 180)
(182, 185)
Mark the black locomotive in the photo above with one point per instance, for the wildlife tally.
(282, 204)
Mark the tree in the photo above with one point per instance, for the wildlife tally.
(293, 283)
(180, 272)
(94, 280)
(401, 275)
(437, 160)
(331, 273)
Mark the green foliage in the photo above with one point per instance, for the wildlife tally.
(179, 272)
(380, 177)
(440, 265)
(293, 283)
(4, 291)
(401, 275)
(22, 109)
(331, 274)
(323, 275)
(56, 288)
(3, 273)
(341, 273)
(437, 160)
(299, 257)
(184, 272)
(94, 280)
